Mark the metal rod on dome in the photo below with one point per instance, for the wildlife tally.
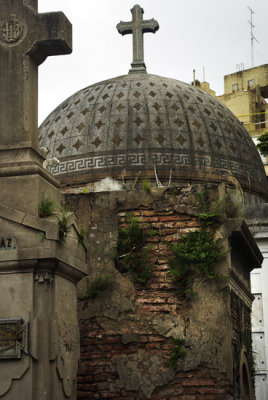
(193, 77)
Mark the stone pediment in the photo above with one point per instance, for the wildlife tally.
(27, 240)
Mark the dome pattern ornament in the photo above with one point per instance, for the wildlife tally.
(138, 122)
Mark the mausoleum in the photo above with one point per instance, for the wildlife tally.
(143, 146)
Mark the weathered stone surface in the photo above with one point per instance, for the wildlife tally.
(170, 326)
(38, 277)
(142, 372)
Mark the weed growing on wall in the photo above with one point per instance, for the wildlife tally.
(82, 235)
(132, 253)
(99, 285)
(146, 185)
(262, 146)
(197, 251)
(63, 225)
(177, 353)
(46, 208)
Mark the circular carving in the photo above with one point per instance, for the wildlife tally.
(12, 31)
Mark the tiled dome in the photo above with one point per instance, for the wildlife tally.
(137, 123)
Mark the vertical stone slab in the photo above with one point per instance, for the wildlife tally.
(38, 273)
(26, 39)
(38, 287)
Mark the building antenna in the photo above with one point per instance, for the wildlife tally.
(252, 37)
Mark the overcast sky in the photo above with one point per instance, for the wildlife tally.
(214, 34)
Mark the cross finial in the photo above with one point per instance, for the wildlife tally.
(137, 27)
(27, 38)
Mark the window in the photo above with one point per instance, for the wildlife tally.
(235, 87)
(251, 84)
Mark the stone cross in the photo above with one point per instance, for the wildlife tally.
(137, 27)
(26, 40)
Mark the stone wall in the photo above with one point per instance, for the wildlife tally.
(127, 331)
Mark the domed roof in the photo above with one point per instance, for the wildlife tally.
(139, 123)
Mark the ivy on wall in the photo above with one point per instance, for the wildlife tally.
(132, 253)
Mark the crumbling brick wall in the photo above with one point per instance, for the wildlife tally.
(127, 331)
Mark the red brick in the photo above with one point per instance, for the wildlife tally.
(150, 346)
(89, 378)
(112, 339)
(102, 377)
(148, 213)
(156, 338)
(95, 363)
(150, 301)
(171, 212)
(169, 218)
(108, 395)
(87, 395)
(143, 338)
(208, 397)
(201, 382)
(151, 219)
(210, 391)
(105, 347)
(164, 308)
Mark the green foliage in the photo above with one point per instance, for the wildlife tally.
(63, 223)
(195, 251)
(46, 208)
(100, 284)
(82, 235)
(210, 215)
(177, 353)
(262, 146)
(146, 185)
(132, 253)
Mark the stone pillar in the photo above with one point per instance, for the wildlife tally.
(39, 336)
(39, 340)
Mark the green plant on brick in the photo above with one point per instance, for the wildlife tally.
(262, 146)
(46, 208)
(177, 353)
(146, 185)
(82, 235)
(197, 251)
(132, 254)
(63, 223)
(95, 288)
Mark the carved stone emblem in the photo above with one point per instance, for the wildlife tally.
(13, 338)
(12, 30)
(8, 243)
